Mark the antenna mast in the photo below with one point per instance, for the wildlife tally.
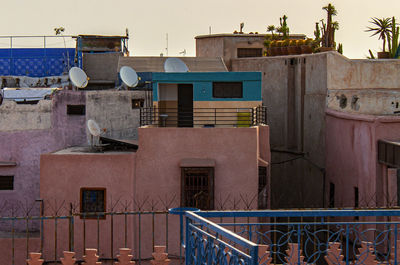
(166, 49)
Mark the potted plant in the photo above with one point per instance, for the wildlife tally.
(328, 30)
(381, 27)
(293, 47)
(280, 48)
(285, 45)
(267, 44)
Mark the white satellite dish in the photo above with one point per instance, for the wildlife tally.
(175, 65)
(128, 76)
(95, 132)
(78, 77)
(93, 128)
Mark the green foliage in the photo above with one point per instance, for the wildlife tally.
(381, 27)
(340, 48)
(394, 38)
(328, 29)
(371, 55)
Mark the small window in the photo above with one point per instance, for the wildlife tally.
(249, 52)
(356, 200)
(76, 109)
(137, 103)
(331, 195)
(227, 89)
(6, 182)
(262, 185)
(93, 200)
(198, 188)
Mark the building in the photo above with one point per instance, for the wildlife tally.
(232, 46)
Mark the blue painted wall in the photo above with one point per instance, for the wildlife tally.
(37, 62)
(202, 84)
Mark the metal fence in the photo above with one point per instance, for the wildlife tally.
(203, 117)
(293, 237)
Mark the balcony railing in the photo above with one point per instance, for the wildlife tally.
(203, 117)
(332, 237)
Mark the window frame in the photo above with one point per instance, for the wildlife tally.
(224, 86)
(76, 109)
(90, 216)
(12, 177)
(211, 186)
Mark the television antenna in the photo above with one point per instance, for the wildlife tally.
(183, 52)
(175, 65)
(78, 77)
(129, 76)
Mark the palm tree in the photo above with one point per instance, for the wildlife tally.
(271, 28)
(383, 29)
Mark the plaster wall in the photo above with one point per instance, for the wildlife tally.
(19, 117)
(63, 174)
(234, 150)
(294, 92)
(345, 73)
(351, 160)
(25, 146)
(101, 66)
(113, 111)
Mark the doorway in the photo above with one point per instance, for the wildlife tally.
(185, 105)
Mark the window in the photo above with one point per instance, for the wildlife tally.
(249, 52)
(331, 195)
(197, 188)
(6, 182)
(227, 89)
(93, 200)
(262, 185)
(356, 200)
(76, 109)
(137, 103)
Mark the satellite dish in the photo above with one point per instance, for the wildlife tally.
(174, 65)
(78, 77)
(128, 76)
(93, 128)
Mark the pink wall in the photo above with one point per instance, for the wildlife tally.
(351, 157)
(62, 176)
(151, 180)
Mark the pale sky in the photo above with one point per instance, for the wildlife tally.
(149, 21)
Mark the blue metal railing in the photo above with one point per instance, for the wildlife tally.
(294, 237)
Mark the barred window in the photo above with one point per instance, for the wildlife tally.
(93, 200)
(197, 188)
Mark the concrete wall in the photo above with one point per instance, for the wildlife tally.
(294, 91)
(19, 117)
(351, 148)
(150, 180)
(113, 111)
(23, 141)
(226, 46)
(101, 66)
(62, 176)
(25, 146)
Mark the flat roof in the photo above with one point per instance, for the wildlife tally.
(242, 35)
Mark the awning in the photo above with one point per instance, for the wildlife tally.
(197, 162)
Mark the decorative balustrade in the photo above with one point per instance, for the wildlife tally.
(91, 257)
(334, 237)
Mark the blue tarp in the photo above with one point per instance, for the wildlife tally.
(37, 62)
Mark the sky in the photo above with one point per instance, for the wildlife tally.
(150, 21)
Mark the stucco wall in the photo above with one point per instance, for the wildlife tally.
(294, 92)
(351, 159)
(63, 174)
(345, 73)
(19, 117)
(113, 111)
(101, 66)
